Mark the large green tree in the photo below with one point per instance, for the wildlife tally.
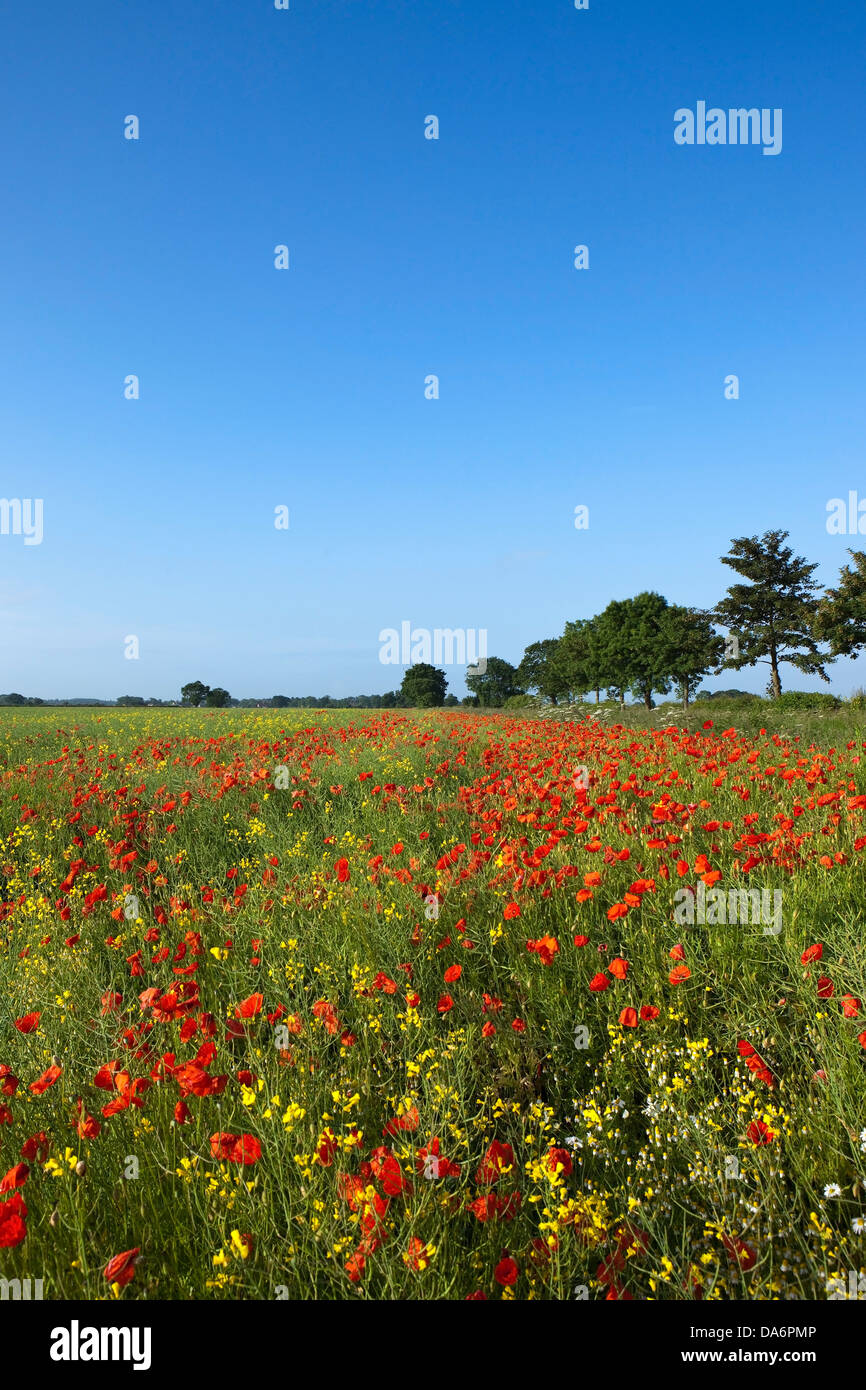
(645, 633)
(541, 670)
(194, 693)
(841, 616)
(217, 698)
(423, 686)
(496, 684)
(693, 647)
(772, 617)
(582, 657)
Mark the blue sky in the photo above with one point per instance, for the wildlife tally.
(411, 257)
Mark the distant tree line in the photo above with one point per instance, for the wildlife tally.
(642, 646)
(645, 646)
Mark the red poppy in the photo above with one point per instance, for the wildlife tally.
(250, 1007)
(121, 1268)
(759, 1133)
(16, 1177)
(13, 1228)
(47, 1079)
(236, 1148)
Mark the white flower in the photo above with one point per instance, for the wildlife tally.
(858, 1225)
(832, 1190)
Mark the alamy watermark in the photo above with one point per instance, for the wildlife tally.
(22, 516)
(720, 907)
(847, 520)
(19, 1289)
(445, 646)
(736, 126)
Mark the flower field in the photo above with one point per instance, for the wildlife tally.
(386, 1005)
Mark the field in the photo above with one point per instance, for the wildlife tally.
(403, 1005)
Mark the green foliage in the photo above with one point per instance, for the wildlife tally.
(496, 684)
(423, 686)
(807, 699)
(217, 698)
(841, 616)
(194, 693)
(542, 669)
(774, 615)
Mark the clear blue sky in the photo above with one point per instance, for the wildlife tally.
(410, 257)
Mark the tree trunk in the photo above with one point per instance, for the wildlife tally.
(774, 667)
(597, 694)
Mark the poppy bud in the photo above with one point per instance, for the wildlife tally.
(81, 1168)
(54, 1219)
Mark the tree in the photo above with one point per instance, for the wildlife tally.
(632, 649)
(582, 658)
(841, 617)
(137, 700)
(194, 693)
(217, 698)
(773, 616)
(692, 646)
(541, 670)
(496, 684)
(423, 686)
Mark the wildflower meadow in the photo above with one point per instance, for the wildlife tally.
(431, 1005)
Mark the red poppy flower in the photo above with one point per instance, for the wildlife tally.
(28, 1023)
(559, 1160)
(16, 1177)
(121, 1268)
(13, 1228)
(236, 1148)
(759, 1133)
(250, 1007)
(47, 1079)
(506, 1272)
